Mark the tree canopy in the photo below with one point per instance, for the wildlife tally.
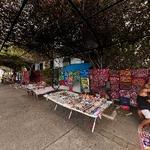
(119, 31)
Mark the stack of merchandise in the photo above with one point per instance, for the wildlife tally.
(88, 104)
(98, 79)
(114, 82)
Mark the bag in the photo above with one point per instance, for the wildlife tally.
(125, 101)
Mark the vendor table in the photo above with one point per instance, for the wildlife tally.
(93, 109)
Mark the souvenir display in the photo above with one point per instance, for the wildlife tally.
(123, 83)
(90, 104)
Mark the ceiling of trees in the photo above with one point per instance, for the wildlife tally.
(114, 33)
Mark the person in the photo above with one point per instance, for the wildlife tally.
(25, 75)
(143, 102)
(13, 78)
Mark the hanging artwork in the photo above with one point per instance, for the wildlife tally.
(85, 84)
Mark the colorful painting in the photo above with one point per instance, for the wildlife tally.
(85, 84)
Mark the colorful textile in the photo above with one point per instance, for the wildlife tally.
(140, 73)
(125, 79)
(124, 93)
(125, 85)
(100, 74)
(115, 94)
(138, 82)
(114, 79)
(98, 79)
(115, 87)
(125, 76)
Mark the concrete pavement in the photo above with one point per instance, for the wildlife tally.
(28, 124)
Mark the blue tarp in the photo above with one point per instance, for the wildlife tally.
(77, 67)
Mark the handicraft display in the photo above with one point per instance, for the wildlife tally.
(90, 104)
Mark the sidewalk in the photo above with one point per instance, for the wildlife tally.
(28, 124)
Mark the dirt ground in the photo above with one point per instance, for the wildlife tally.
(29, 124)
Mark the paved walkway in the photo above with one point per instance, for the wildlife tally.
(28, 124)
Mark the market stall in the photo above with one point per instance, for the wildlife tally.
(89, 105)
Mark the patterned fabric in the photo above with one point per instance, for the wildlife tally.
(124, 93)
(114, 80)
(125, 85)
(140, 73)
(138, 82)
(125, 76)
(125, 79)
(114, 94)
(115, 87)
(98, 79)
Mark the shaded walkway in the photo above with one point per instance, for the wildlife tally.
(27, 124)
